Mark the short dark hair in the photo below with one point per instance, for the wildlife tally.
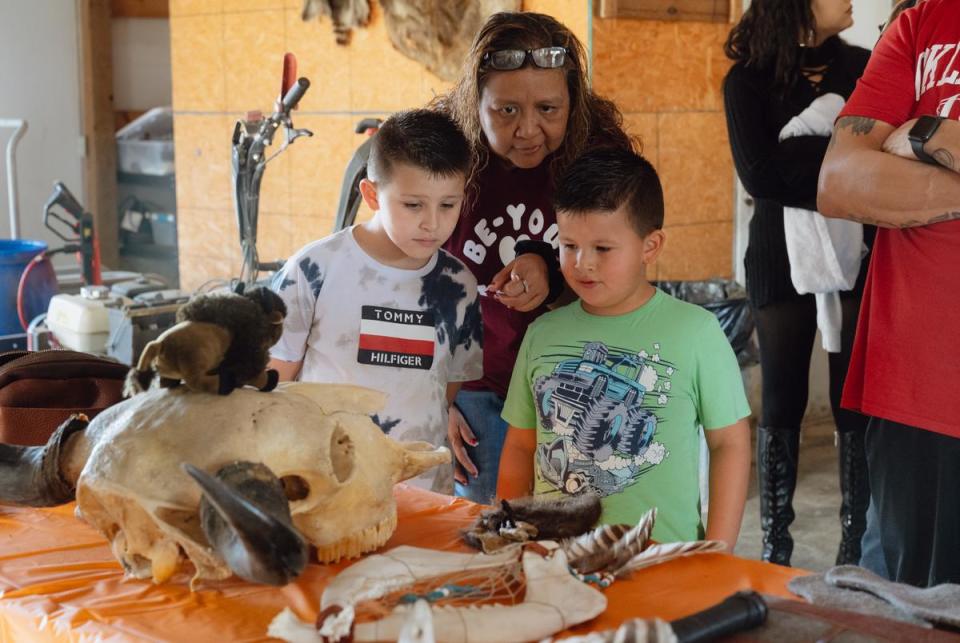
(423, 138)
(603, 180)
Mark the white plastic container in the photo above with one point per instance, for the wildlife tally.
(79, 323)
(145, 146)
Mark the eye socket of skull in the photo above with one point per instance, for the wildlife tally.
(342, 455)
(295, 487)
(307, 489)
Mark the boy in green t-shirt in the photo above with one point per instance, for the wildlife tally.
(617, 384)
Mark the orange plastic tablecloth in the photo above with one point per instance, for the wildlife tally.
(59, 582)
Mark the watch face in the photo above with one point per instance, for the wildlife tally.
(924, 128)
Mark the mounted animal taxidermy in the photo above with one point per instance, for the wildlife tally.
(221, 342)
(438, 33)
(435, 33)
(345, 15)
(533, 518)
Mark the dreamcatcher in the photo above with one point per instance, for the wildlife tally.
(523, 592)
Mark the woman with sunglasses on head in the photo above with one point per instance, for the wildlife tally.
(792, 71)
(524, 103)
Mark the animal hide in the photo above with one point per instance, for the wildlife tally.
(438, 33)
(435, 33)
(533, 518)
(345, 15)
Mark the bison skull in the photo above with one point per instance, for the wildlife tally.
(335, 467)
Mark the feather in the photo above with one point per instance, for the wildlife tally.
(608, 548)
(594, 551)
(635, 630)
(603, 537)
(656, 554)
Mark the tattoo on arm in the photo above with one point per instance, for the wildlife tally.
(858, 125)
(945, 158)
(861, 126)
(912, 223)
(946, 216)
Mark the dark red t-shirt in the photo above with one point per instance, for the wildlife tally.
(906, 357)
(509, 205)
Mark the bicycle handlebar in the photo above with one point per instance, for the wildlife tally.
(294, 94)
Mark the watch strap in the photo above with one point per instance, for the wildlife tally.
(922, 131)
(920, 153)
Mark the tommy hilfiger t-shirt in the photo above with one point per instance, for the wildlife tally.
(408, 333)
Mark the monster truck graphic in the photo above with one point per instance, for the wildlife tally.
(595, 402)
(569, 472)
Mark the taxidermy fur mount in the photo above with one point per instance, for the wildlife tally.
(435, 33)
(533, 518)
(221, 342)
(345, 14)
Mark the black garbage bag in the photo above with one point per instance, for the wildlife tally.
(728, 301)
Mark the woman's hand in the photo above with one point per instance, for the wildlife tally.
(523, 284)
(898, 143)
(458, 432)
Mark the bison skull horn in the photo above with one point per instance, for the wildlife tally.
(34, 476)
(245, 515)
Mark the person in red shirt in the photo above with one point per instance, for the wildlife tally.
(894, 161)
(525, 104)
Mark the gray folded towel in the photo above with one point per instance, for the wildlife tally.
(816, 590)
(939, 604)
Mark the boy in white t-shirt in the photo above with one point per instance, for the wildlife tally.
(381, 304)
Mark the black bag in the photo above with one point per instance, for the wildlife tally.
(728, 301)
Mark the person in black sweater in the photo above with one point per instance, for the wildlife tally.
(787, 54)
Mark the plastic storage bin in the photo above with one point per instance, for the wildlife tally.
(145, 146)
(163, 227)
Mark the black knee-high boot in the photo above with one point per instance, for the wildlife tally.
(777, 454)
(854, 495)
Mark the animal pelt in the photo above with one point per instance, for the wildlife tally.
(533, 518)
(435, 33)
(345, 15)
(438, 33)
(221, 342)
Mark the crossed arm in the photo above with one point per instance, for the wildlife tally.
(871, 175)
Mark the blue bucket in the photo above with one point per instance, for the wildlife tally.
(40, 286)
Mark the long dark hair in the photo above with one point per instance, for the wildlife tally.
(591, 117)
(768, 36)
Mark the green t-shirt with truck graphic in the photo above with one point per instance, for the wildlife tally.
(617, 403)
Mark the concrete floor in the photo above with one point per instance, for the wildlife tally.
(816, 530)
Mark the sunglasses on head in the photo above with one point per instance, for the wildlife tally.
(508, 59)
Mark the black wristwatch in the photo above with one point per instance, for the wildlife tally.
(921, 132)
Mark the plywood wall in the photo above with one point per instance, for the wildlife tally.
(666, 78)
(226, 57)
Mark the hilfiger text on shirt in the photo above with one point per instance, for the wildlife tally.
(393, 337)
